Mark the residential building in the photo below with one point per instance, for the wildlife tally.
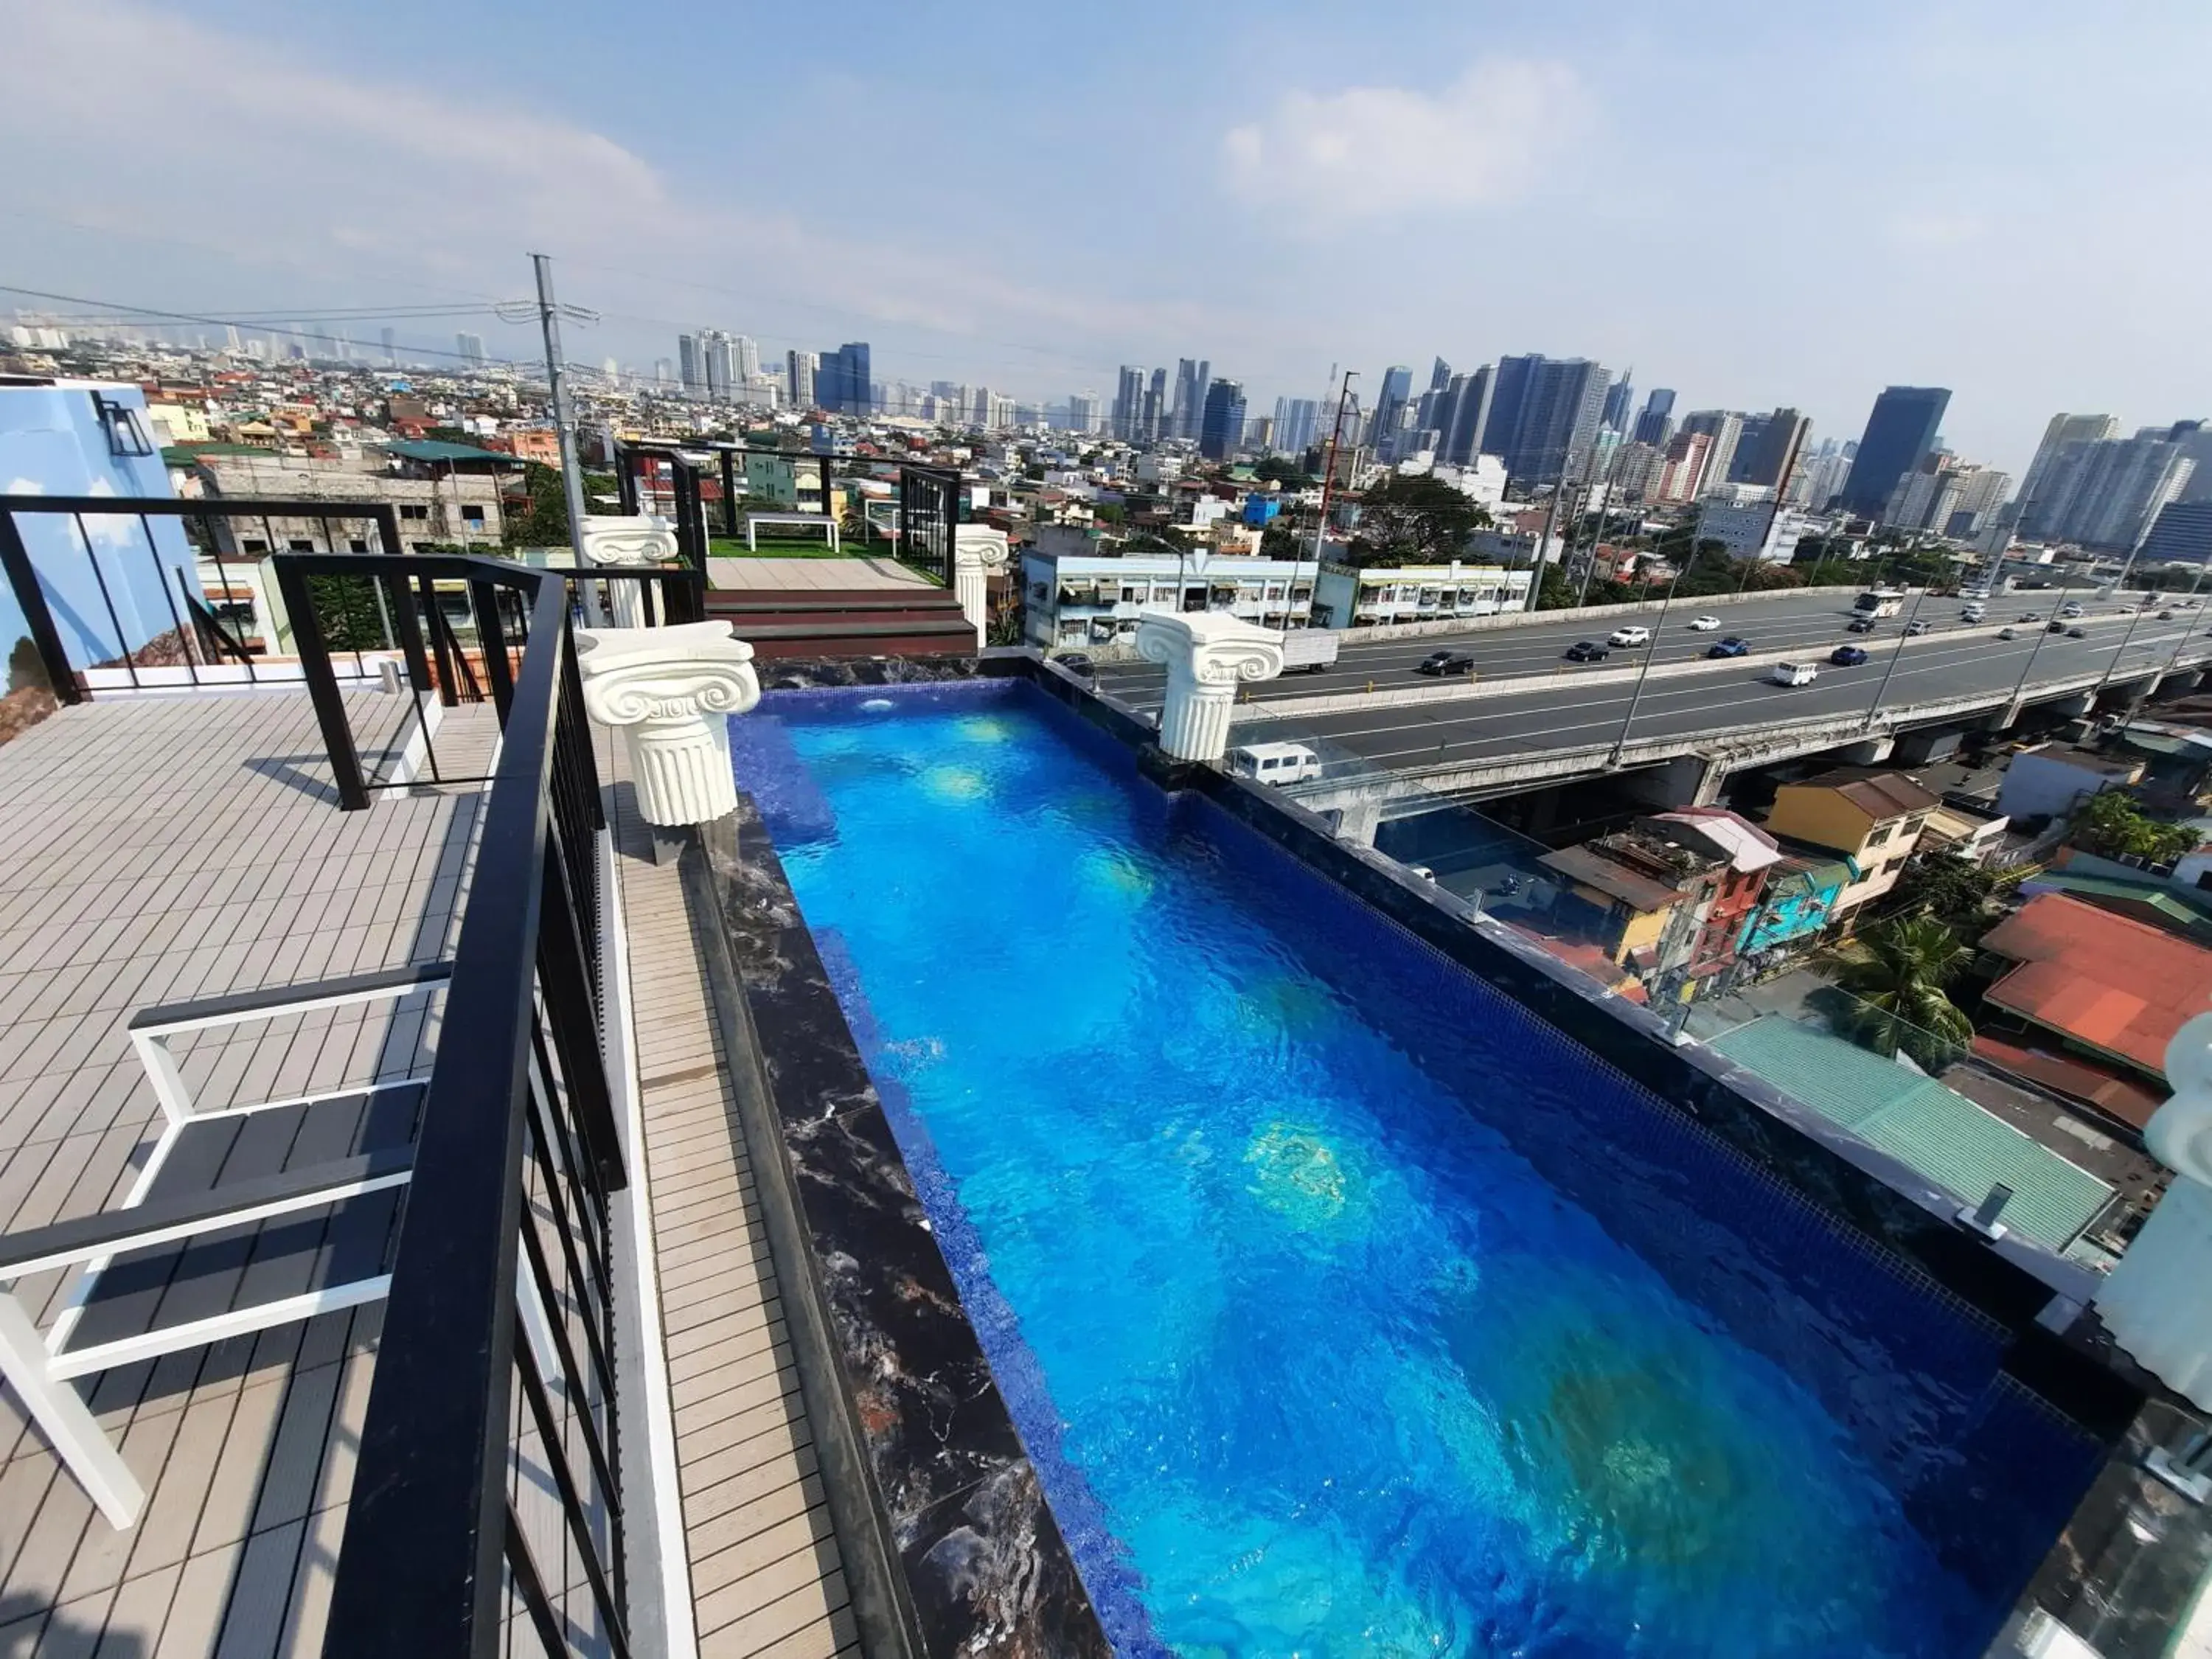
(1655, 423)
(1082, 413)
(800, 368)
(1298, 421)
(1155, 420)
(1964, 832)
(1724, 427)
(471, 347)
(1347, 596)
(1798, 901)
(1544, 417)
(1900, 431)
(2052, 779)
(447, 496)
(1129, 403)
(1819, 477)
(1768, 454)
(1222, 429)
(2102, 991)
(1751, 527)
(180, 423)
(1084, 600)
(2106, 494)
(2195, 438)
(842, 385)
(1873, 818)
(2182, 534)
(1681, 469)
(1468, 399)
(1672, 891)
(2061, 430)
(1390, 410)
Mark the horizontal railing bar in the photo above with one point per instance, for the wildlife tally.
(212, 507)
(289, 999)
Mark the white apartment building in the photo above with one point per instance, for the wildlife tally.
(1079, 601)
(1349, 597)
(1747, 519)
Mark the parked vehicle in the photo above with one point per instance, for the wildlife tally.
(1793, 674)
(1704, 624)
(1731, 647)
(1275, 762)
(1914, 628)
(1439, 663)
(1860, 625)
(1308, 650)
(1847, 656)
(1586, 651)
(1628, 636)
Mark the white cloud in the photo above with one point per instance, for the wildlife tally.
(1927, 230)
(1380, 151)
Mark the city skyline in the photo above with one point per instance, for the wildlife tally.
(2005, 275)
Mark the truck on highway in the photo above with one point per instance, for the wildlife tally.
(1879, 602)
(1308, 650)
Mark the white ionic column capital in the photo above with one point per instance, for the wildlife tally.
(978, 551)
(2154, 1303)
(632, 543)
(1208, 655)
(670, 691)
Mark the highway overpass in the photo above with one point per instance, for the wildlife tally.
(1384, 761)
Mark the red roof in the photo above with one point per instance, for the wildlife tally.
(2116, 1097)
(2106, 981)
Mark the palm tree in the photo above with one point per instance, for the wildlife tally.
(1898, 972)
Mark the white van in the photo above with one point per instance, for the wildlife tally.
(1275, 762)
(1633, 636)
(1793, 674)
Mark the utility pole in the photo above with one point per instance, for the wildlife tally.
(1327, 482)
(1650, 650)
(1543, 546)
(1896, 651)
(564, 417)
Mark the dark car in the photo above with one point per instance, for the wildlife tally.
(1847, 656)
(2165, 616)
(2054, 626)
(1731, 647)
(1859, 625)
(1076, 663)
(1446, 662)
(1586, 651)
(2077, 633)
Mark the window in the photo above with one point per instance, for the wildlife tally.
(301, 544)
(356, 545)
(253, 544)
(413, 510)
(473, 516)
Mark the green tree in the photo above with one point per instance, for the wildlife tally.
(542, 521)
(347, 611)
(1414, 520)
(1283, 470)
(1955, 893)
(1898, 971)
(2112, 825)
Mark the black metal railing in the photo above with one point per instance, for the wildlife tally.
(487, 1491)
(111, 611)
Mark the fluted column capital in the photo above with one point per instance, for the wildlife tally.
(671, 691)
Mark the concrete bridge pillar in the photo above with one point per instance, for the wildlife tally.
(1869, 753)
(1207, 655)
(1358, 821)
(1691, 780)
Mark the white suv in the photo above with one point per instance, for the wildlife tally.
(1629, 636)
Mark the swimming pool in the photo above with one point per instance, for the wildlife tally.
(1343, 1307)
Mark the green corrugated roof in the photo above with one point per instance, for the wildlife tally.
(437, 449)
(2182, 904)
(1938, 1132)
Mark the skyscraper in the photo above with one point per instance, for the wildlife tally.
(1390, 407)
(2106, 494)
(693, 374)
(2064, 429)
(748, 358)
(1544, 417)
(1188, 408)
(2195, 438)
(1769, 448)
(1655, 423)
(798, 370)
(1725, 428)
(1083, 411)
(391, 357)
(1297, 421)
(1470, 399)
(1128, 403)
(470, 346)
(1222, 429)
(1900, 430)
(843, 385)
(1618, 397)
(1156, 422)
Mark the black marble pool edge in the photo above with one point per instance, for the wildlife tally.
(948, 1543)
(841, 1183)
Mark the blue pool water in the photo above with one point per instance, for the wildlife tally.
(1370, 1315)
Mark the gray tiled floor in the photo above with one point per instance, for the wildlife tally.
(158, 849)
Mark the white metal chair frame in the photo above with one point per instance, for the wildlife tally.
(35, 1365)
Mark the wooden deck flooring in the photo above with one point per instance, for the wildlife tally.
(764, 1568)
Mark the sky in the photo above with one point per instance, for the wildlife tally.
(1753, 203)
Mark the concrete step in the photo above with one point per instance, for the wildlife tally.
(754, 602)
(893, 637)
